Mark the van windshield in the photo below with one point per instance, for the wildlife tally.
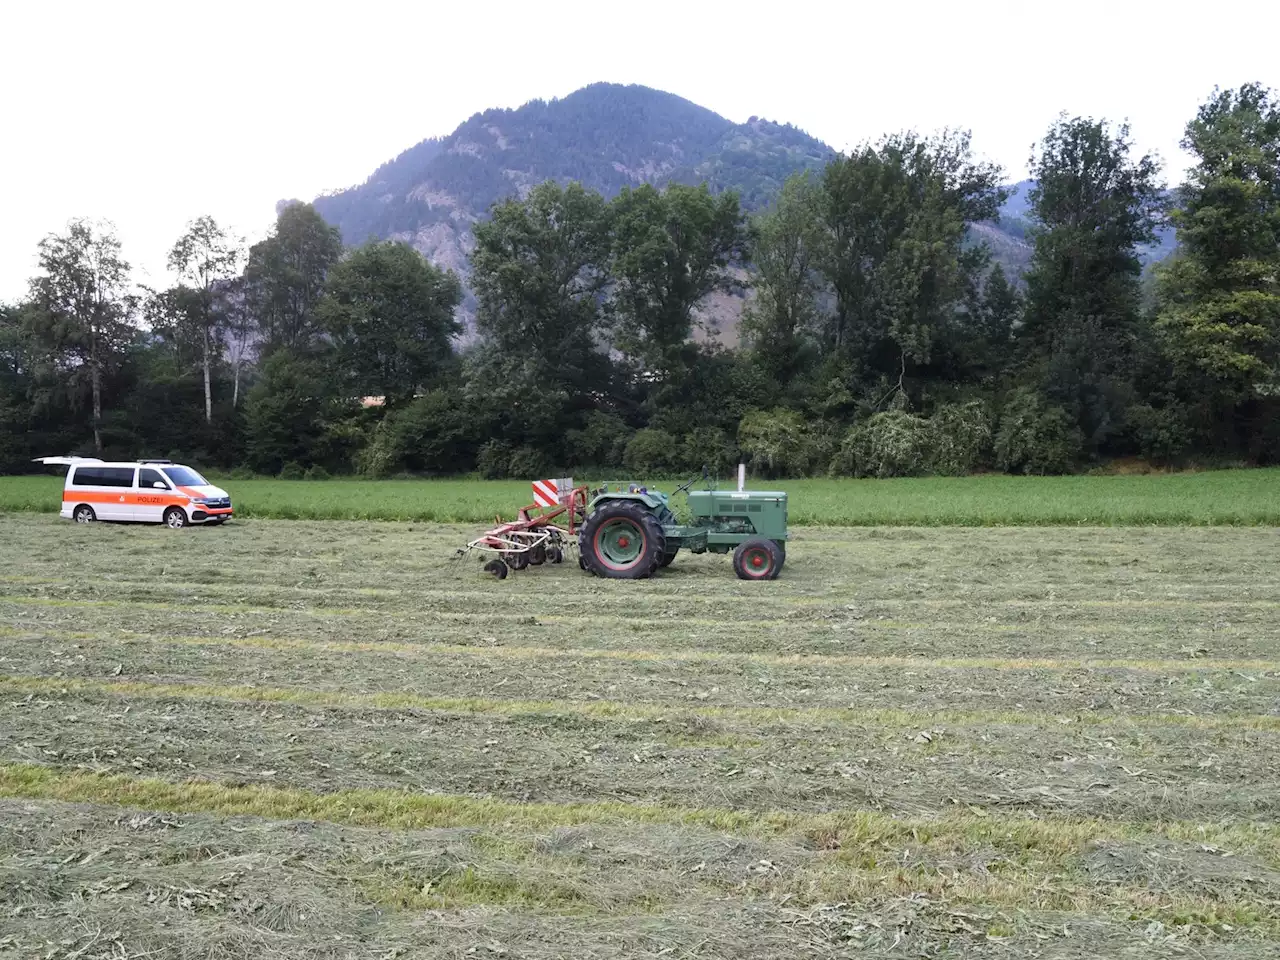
(185, 477)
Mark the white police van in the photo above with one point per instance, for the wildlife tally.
(142, 491)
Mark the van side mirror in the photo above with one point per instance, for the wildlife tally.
(160, 485)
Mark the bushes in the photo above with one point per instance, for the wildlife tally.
(432, 434)
(602, 440)
(651, 452)
(780, 442)
(1035, 436)
(1161, 433)
(493, 460)
(499, 460)
(528, 463)
(960, 437)
(890, 444)
(708, 447)
(895, 443)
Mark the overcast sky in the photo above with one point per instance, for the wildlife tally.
(150, 114)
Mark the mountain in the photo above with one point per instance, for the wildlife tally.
(607, 136)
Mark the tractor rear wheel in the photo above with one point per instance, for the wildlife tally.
(757, 559)
(668, 557)
(782, 553)
(622, 541)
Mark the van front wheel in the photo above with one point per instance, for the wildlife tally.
(174, 518)
(84, 514)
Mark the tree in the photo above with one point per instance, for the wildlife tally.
(235, 308)
(86, 306)
(203, 257)
(286, 273)
(390, 314)
(295, 414)
(985, 344)
(670, 251)
(538, 270)
(1093, 208)
(172, 316)
(1220, 294)
(897, 216)
(15, 377)
(787, 245)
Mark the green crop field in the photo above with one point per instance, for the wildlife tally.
(1225, 497)
(298, 739)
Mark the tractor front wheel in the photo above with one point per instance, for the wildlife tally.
(622, 541)
(757, 559)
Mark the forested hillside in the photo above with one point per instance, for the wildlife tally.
(884, 334)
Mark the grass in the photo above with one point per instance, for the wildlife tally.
(1221, 497)
(293, 738)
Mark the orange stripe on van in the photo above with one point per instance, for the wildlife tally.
(160, 498)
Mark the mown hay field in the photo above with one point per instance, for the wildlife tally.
(300, 739)
(1219, 497)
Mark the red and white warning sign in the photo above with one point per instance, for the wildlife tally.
(550, 493)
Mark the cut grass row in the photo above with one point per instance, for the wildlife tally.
(747, 760)
(565, 860)
(612, 709)
(433, 651)
(1222, 497)
(863, 833)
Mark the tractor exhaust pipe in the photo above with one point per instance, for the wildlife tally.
(742, 477)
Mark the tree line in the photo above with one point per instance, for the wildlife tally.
(878, 337)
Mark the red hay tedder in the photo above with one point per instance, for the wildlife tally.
(532, 538)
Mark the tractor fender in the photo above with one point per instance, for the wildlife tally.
(648, 500)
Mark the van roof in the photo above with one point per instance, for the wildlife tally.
(84, 461)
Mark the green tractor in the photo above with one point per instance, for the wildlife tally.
(630, 531)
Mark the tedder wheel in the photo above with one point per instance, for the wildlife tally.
(174, 518)
(668, 557)
(497, 568)
(84, 514)
(554, 554)
(757, 559)
(517, 559)
(623, 541)
(538, 555)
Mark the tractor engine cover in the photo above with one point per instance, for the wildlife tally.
(730, 515)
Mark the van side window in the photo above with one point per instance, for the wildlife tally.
(103, 477)
(147, 477)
